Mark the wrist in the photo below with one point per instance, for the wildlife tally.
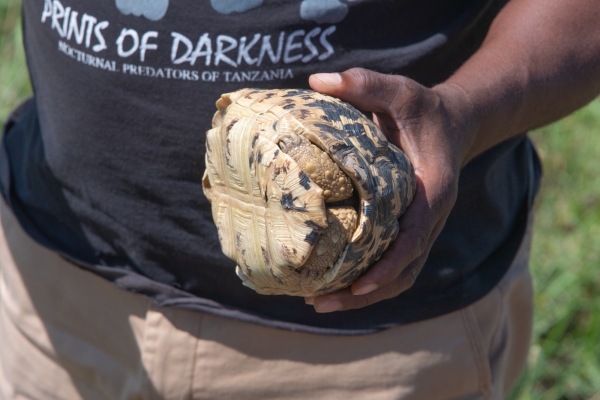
(462, 119)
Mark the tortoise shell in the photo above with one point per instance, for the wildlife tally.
(269, 213)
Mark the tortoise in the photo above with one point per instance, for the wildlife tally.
(305, 190)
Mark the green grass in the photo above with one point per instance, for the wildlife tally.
(564, 361)
(14, 81)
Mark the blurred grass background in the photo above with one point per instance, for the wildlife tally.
(14, 80)
(564, 361)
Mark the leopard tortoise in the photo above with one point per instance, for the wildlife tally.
(305, 191)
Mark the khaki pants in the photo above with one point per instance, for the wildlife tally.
(68, 334)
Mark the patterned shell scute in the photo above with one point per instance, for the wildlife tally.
(269, 213)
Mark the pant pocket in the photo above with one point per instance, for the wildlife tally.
(480, 349)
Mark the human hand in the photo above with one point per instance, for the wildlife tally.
(435, 129)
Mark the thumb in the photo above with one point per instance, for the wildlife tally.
(364, 89)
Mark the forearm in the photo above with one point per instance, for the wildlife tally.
(539, 62)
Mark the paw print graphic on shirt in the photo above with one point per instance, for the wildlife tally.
(323, 11)
(239, 6)
(320, 11)
(151, 9)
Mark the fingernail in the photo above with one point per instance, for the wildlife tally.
(365, 289)
(329, 79)
(309, 300)
(328, 306)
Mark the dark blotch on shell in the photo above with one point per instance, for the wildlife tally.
(297, 92)
(304, 180)
(337, 134)
(355, 129)
(231, 124)
(312, 237)
(371, 246)
(280, 170)
(354, 256)
(228, 142)
(380, 250)
(302, 114)
(314, 225)
(352, 276)
(254, 139)
(287, 202)
(265, 255)
(335, 111)
(390, 232)
(369, 148)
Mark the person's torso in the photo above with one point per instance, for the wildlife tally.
(125, 91)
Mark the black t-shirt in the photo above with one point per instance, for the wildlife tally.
(105, 164)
